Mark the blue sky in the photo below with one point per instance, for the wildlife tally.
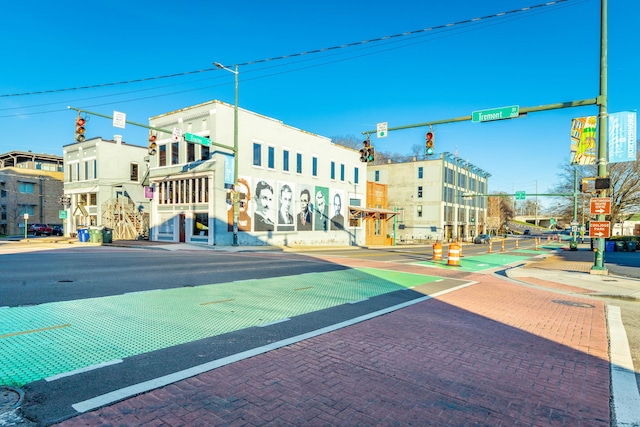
(543, 56)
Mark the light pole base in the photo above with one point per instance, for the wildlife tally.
(600, 271)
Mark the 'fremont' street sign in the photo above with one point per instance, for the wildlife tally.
(500, 113)
(192, 137)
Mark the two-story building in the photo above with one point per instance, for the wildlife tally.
(104, 182)
(294, 188)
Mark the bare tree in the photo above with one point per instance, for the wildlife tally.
(501, 206)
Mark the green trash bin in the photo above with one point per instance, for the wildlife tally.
(95, 235)
(620, 246)
(631, 246)
(107, 235)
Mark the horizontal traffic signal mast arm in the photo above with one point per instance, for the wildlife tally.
(170, 132)
(513, 195)
(523, 110)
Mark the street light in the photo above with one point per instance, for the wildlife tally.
(236, 210)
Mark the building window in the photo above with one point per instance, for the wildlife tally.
(420, 172)
(419, 211)
(333, 170)
(201, 224)
(342, 172)
(314, 166)
(86, 171)
(3, 214)
(27, 209)
(205, 153)
(95, 169)
(271, 157)
(420, 192)
(356, 175)
(93, 199)
(174, 153)
(285, 160)
(298, 162)
(257, 154)
(377, 176)
(26, 187)
(162, 155)
(134, 172)
(191, 152)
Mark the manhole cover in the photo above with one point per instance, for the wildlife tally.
(10, 398)
(573, 303)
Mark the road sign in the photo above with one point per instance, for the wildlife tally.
(500, 113)
(600, 229)
(381, 130)
(119, 119)
(600, 206)
(192, 137)
(520, 195)
(62, 214)
(177, 134)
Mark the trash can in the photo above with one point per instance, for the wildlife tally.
(609, 246)
(107, 235)
(83, 235)
(573, 245)
(631, 246)
(95, 235)
(620, 246)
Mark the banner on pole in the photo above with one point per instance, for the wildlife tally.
(583, 140)
(621, 144)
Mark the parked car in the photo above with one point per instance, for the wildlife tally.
(58, 230)
(527, 232)
(482, 238)
(40, 230)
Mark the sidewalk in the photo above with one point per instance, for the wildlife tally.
(492, 353)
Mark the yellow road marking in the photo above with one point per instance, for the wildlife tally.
(35, 330)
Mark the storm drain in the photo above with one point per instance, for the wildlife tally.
(10, 398)
(573, 303)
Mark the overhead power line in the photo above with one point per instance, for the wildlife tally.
(294, 55)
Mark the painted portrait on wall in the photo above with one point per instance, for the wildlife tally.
(321, 208)
(264, 212)
(304, 209)
(286, 220)
(244, 205)
(337, 206)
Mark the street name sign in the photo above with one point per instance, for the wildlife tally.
(600, 206)
(500, 113)
(600, 229)
(192, 137)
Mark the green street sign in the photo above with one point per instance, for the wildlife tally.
(520, 195)
(62, 214)
(500, 113)
(191, 137)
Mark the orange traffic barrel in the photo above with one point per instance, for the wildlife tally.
(437, 252)
(454, 255)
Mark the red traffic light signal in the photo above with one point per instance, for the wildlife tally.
(80, 130)
(152, 146)
(429, 143)
(364, 151)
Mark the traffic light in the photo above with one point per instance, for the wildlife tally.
(152, 143)
(80, 122)
(371, 154)
(364, 150)
(429, 147)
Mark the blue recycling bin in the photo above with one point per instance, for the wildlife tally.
(609, 246)
(83, 235)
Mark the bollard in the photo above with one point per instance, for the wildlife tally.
(454, 255)
(548, 238)
(536, 240)
(460, 250)
(516, 243)
(489, 251)
(437, 252)
(502, 250)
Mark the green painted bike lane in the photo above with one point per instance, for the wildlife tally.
(37, 342)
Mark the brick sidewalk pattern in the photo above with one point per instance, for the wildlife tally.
(494, 353)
